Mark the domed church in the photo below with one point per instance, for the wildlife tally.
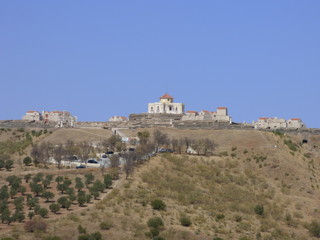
(166, 105)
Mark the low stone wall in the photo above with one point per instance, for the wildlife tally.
(25, 124)
(161, 118)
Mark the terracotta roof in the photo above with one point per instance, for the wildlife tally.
(205, 111)
(295, 119)
(31, 111)
(166, 96)
(123, 117)
(191, 112)
(222, 108)
(263, 118)
(57, 112)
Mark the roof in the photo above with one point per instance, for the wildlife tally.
(222, 108)
(295, 119)
(191, 112)
(205, 111)
(166, 96)
(57, 112)
(32, 111)
(263, 118)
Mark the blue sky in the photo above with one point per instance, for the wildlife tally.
(103, 58)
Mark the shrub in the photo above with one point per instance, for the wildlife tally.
(217, 238)
(259, 209)
(314, 229)
(292, 146)
(219, 216)
(154, 232)
(155, 222)
(35, 225)
(27, 161)
(185, 221)
(158, 204)
(105, 225)
(81, 229)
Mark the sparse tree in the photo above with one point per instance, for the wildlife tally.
(43, 212)
(89, 178)
(107, 180)
(64, 202)
(99, 186)
(114, 161)
(4, 193)
(160, 139)
(27, 177)
(54, 207)
(27, 161)
(48, 195)
(81, 198)
(58, 153)
(128, 166)
(32, 202)
(36, 154)
(8, 164)
(143, 137)
(79, 184)
(31, 215)
(36, 188)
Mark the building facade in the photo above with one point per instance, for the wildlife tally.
(62, 118)
(221, 115)
(32, 116)
(277, 123)
(166, 105)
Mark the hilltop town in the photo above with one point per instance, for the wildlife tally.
(166, 113)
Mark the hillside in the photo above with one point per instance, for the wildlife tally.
(222, 195)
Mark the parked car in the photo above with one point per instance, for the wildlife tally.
(92, 161)
(80, 166)
(163, 150)
(110, 152)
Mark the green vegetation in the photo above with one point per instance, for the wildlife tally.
(292, 146)
(314, 229)
(185, 221)
(158, 204)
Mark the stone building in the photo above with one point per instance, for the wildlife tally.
(221, 115)
(118, 119)
(277, 123)
(32, 116)
(166, 105)
(61, 118)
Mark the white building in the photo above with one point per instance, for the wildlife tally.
(166, 105)
(276, 123)
(32, 116)
(221, 115)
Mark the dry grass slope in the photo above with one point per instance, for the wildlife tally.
(220, 194)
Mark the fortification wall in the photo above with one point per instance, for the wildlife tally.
(154, 118)
(25, 124)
